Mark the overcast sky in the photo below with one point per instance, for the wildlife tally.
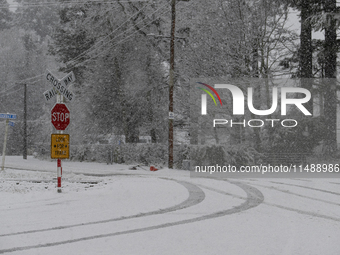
(294, 23)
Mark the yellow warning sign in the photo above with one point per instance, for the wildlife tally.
(60, 146)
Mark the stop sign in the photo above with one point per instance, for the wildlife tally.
(60, 116)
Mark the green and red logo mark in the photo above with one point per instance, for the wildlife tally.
(204, 97)
(208, 92)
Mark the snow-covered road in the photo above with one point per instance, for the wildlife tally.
(109, 209)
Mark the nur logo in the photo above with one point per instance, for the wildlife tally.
(239, 99)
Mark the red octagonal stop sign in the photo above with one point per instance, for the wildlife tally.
(60, 116)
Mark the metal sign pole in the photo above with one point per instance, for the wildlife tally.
(4, 148)
(59, 89)
(59, 174)
(59, 99)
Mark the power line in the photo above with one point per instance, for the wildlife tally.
(28, 79)
(21, 82)
(90, 49)
(25, 80)
(121, 41)
(8, 93)
(7, 88)
(6, 6)
(93, 48)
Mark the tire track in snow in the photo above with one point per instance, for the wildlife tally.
(305, 187)
(318, 215)
(254, 198)
(222, 192)
(309, 213)
(196, 196)
(297, 194)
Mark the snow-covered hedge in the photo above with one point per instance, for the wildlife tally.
(145, 154)
(157, 154)
(236, 155)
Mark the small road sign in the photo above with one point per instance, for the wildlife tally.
(60, 146)
(60, 116)
(11, 123)
(8, 116)
(59, 85)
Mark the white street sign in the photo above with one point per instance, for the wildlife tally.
(60, 85)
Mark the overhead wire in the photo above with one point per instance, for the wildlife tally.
(8, 87)
(101, 40)
(116, 44)
(129, 18)
(127, 37)
(6, 93)
(30, 78)
(93, 49)
(121, 41)
(15, 82)
(41, 4)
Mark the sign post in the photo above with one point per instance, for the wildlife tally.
(8, 117)
(59, 174)
(4, 148)
(60, 118)
(60, 149)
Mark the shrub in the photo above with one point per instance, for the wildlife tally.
(236, 155)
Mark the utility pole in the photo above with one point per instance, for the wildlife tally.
(171, 85)
(24, 153)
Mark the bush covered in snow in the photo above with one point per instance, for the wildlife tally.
(236, 155)
(129, 153)
(157, 154)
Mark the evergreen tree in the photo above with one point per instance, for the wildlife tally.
(6, 16)
(330, 93)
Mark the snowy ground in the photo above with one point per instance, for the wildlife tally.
(109, 209)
